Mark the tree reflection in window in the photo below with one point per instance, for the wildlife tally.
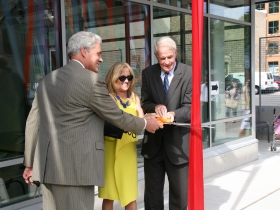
(273, 47)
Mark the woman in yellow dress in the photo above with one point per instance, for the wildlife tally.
(120, 181)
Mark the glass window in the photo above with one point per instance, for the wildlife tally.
(260, 6)
(229, 78)
(124, 29)
(176, 25)
(186, 4)
(13, 188)
(30, 48)
(238, 10)
(273, 27)
(273, 67)
(230, 67)
(205, 94)
(273, 7)
(273, 47)
(232, 130)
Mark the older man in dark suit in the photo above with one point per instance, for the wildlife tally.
(64, 147)
(166, 90)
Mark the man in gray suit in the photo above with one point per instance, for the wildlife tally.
(167, 150)
(64, 145)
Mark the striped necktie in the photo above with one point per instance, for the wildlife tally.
(165, 84)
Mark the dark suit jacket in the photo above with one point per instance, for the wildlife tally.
(64, 129)
(178, 99)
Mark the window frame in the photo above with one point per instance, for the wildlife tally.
(260, 6)
(273, 47)
(271, 28)
(273, 7)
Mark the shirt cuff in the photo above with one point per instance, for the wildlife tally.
(145, 124)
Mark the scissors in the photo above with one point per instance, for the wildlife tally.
(38, 189)
(188, 125)
(166, 121)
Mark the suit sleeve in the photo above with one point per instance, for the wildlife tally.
(147, 103)
(183, 114)
(31, 133)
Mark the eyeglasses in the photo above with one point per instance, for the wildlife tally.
(123, 78)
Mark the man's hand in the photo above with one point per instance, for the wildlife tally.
(161, 110)
(153, 125)
(169, 115)
(27, 175)
(150, 115)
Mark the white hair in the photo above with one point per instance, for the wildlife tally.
(165, 42)
(82, 39)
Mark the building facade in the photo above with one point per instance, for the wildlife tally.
(33, 40)
(270, 43)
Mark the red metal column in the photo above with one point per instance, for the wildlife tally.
(196, 182)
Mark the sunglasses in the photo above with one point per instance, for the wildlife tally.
(123, 78)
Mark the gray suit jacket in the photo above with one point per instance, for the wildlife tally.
(64, 130)
(178, 99)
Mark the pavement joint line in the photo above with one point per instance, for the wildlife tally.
(260, 199)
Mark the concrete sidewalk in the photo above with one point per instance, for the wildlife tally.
(254, 186)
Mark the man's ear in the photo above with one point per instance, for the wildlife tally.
(83, 51)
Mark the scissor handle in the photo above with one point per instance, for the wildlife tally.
(37, 183)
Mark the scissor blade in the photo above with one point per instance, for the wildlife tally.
(187, 125)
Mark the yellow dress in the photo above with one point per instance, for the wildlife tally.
(120, 181)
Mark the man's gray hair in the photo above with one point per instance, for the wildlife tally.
(166, 42)
(82, 39)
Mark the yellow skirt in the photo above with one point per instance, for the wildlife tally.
(120, 181)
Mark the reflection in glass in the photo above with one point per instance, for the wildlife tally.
(30, 48)
(28, 36)
(245, 105)
(232, 97)
(238, 10)
(214, 106)
(177, 26)
(229, 131)
(273, 47)
(205, 138)
(187, 4)
(230, 64)
(215, 99)
(124, 28)
(12, 186)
